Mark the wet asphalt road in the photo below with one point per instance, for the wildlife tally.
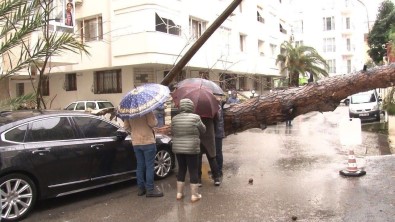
(295, 174)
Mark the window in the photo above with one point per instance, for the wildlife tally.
(297, 26)
(94, 128)
(348, 66)
(242, 43)
(329, 23)
(70, 83)
(92, 29)
(45, 86)
(196, 28)
(20, 89)
(332, 65)
(259, 15)
(282, 29)
(143, 75)
(261, 47)
(225, 34)
(298, 43)
(62, 16)
(58, 128)
(80, 106)
(348, 42)
(329, 45)
(16, 134)
(273, 49)
(227, 81)
(166, 25)
(348, 26)
(242, 83)
(109, 81)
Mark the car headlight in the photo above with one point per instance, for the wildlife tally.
(375, 107)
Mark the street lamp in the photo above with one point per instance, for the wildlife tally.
(367, 14)
(253, 93)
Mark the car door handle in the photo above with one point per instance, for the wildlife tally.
(97, 146)
(41, 151)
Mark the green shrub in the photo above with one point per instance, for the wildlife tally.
(391, 109)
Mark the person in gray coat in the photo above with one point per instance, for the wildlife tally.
(186, 128)
(207, 146)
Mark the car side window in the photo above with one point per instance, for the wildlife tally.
(80, 106)
(90, 105)
(93, 127)
(16, 134)
(57, 128)
(103, 105)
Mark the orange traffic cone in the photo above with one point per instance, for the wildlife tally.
(352, 170)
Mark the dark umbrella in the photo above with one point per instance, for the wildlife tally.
(142, 100)
(206, 105)
(202, 82)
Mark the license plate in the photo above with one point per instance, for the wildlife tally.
(364, 114)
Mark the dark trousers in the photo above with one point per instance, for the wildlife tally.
(187, 162)
(219, 157)
(212, 161)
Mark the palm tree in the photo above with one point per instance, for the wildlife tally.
(301, 60)
(18, 20)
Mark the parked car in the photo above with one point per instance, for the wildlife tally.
(89, 105)
(46, 154)
(365, 105)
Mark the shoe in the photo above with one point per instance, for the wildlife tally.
(141, 191)
(154, 193)
(196, 196)
(180, 190)
(217, 181)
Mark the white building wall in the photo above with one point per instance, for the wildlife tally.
(313, 33)
(130, 40)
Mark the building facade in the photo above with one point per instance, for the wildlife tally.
(139, 41)
(337, 29)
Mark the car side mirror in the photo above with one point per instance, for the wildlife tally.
(121, 135)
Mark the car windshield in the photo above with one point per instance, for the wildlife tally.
(103, 105)
(363, 98)
(70, 107)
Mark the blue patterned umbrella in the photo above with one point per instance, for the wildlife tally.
(142, 100)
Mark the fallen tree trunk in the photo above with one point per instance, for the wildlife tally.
(324, 95)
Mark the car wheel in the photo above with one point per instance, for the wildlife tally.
(164, 162)
(18, 195)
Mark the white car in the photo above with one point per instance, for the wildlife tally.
(93, 106)
(365, 105)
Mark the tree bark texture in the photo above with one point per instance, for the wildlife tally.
(324, 95)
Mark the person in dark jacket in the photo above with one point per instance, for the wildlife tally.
(219, 136)
(186, 129)
(207, 146)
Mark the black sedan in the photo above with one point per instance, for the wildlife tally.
(46, 154)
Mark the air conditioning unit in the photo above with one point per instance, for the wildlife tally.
(78, 2)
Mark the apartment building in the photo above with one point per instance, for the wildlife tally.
(337, 29)
(139, 41)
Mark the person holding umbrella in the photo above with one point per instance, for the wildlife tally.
(206, 106)
(136, 110)
(186, 128)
